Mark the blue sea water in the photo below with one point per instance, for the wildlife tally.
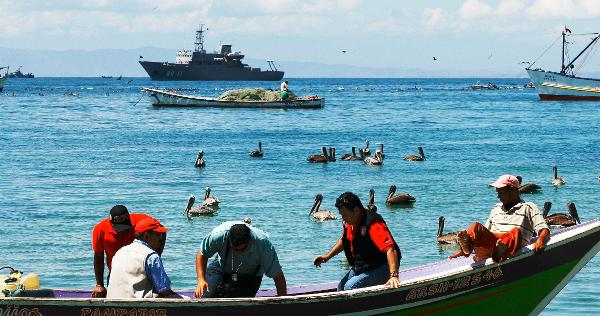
(66, 160)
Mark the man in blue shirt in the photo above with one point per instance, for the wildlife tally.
(244, 254)
(137, 269)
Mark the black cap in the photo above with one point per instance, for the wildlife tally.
(123, 225)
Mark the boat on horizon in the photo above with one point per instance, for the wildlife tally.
(198, 65)
(169, 98)
(565, 85)
(523, 284)
(19, 74)
(3, 77)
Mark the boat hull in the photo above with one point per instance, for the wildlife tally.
(190, 72)
(555, 86)
(521, 285)
(162, 98)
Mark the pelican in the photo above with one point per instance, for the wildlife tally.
(257, 153)
(366, 150)
(200, 163)
(557, 181)
(320, 215)
(210, 200)
(350, 156)
(528, 187)
(371, 206)
(319, 158)
(198, 210)
(421, 156)
(331, 156)
(376, 160)
(562, 219)
(449, 238)
(402, 198)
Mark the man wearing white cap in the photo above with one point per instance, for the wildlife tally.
(511, 225)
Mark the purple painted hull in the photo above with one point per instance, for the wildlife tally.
(521, 285)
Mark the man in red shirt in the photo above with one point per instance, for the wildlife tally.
(368, 245)
(108, 236)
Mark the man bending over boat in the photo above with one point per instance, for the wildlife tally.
(108, 236)
(510, 226)
(368, 245)
(137, 270)
(284, 90)
(244, 255)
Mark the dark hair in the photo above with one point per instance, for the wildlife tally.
(348, 200)
(239, 234)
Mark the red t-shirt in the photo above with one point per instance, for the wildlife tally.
(380, 235)
(105, 238)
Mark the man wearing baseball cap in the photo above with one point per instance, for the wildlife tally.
(511, 225)
(137, 269)
(108, 236)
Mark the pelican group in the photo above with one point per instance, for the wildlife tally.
(561, 219)
(190, 210)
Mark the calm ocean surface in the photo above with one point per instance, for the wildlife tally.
(66, 160)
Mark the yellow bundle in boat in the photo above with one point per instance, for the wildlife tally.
(16, 282)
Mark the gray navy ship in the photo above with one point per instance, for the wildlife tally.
(199, 65)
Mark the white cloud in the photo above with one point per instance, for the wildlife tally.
(433, 18)
(507, 8)
(475, 9)
(564, 9)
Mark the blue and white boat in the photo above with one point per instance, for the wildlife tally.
(565, 85)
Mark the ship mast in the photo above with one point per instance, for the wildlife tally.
(570, 65)
(200, 39)
(562, 67)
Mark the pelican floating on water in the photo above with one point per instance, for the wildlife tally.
(320, 215)
(561, 219)
(210, 200)
(421, 156)
(366, 150)
(449, 238)
(371, 206)
(557, 181)
(200, 163)
(257, 153)
(402, 198)
(323, 157)
(198, 210)
(528, 187)
(376, 160)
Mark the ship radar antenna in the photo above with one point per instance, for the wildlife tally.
(200, 39)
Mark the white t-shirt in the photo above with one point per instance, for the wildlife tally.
(284, 86)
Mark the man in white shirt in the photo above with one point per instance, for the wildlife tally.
(511, 225)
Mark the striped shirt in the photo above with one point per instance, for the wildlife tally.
(525, 216)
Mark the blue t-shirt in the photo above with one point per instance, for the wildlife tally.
(155, 271)
(259, 252)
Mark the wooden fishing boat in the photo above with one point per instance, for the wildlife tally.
(521, 285)
(164, 98)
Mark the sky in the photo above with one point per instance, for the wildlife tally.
(462, 34)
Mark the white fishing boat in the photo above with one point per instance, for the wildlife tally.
(3, 78)
(565, 85)
(165, 98)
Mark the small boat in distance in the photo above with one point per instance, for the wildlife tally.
(565, 85)
(488, 86)
(3, 78)
(164, 98)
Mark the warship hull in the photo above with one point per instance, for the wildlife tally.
(160, 71)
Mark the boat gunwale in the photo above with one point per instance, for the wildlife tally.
(557, 239)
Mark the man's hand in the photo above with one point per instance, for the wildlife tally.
(319, 260)
(457, 254)
(393, 282)
(201, 287)
(99, 291)
(540, 243)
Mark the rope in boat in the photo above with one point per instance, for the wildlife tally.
(587, 57)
